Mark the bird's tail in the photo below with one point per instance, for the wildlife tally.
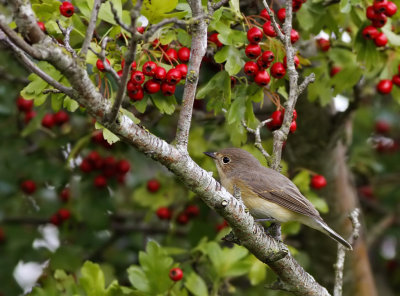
(329, 231)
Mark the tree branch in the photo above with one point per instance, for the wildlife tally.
(257, 141)
(118, 20)
(102, 55)
(197, 51)
(90, 28)
(66, 32)
(339, 266)
(279, 33)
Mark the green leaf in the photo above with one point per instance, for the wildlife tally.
(217, 90)
(258, 271)
(138, 279)
(70, 104)
(393, 38)
(237, 109)
(345, 6)
(233, 57)
(319, 203)
(57, 101)
(156, 10)
(130, 115)
(92, 279)
(166, 104)
(196, 285)
(168, 36)
(141, 105)
(184, 38)
(302, 181)
(107, 134)
(105, 12)
(366, 51)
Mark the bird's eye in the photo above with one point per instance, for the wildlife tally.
(226, 159)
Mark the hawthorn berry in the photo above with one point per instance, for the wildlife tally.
(86, 166)
(294, 36)
(153, 185)
(67, 9)
(149, 68)
(366, 191)
(269, 30)
(184, 54)
(65, 194)
(380, 6)
(100, 65)
(379, 21)
(214, 38)
(41, 26)
(64, 214)
(164, 213)
(100, 181)
(324, 44)
(192, 211)
(384, 86)
(261, 64)
(28, 186)
(109, 168)
(268, 56)
(137, 77)
(334, 70)
(140, 30)
(250, 68)
(262, 78)
(294, 114)
(396, 79)
(253, 51)
(29, 115)
(168, 89)
(173, 76)
(55, 219)
(119, 73)
(131, 86)
(151, 86)
(123, 166)
(277, 118)
(371, 14)
(381, 40)
(370, 32)
(183, 68)
(182, 219)
(95, 160)
(254, 35)
(24, 105)
(391, 9)
(278, 70)
(293, 126)
(176, 274)
(137, 94)
(48, 120)
(61, 117)
(170, 55)
(296, 5)
(318, 182)
(382, 127)
(281, 14)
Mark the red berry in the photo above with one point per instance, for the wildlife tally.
(55, 219)
(214, 38)
(324, 44)
(41, 26)
(131, 86)
(370, 32)
(391, 9)
(277, 118)
(253, 51)
(173, 76)
(140, 29)
(48, 120)
(184, 54)
(384, 86)
(28, 186)
(294, 36)
(123, 166)
(382, 127)
(100, 181)
(379, 21)
(335, 70)
(120, 72)
(86, 166)
(294, 115)
(262, 78)
(182, 219)
(170, 55)
(176, 274)
(95, 160)
(65, 194)
(366, 191)
(61, 117)
(295, 59)
(318, 182)
(183, 68)
(371, 14)
(100, 64)
(264, 14)
(151, 86)
(153, 185)
(282, 14)
(168, 89)
(192, 211)
(261, 64)
(381, 40)
(396, 79)
(149, 68)
(296, 5)
(109, 167)
(137, 94)
(164, 213)
(278, 70)
(67, 9)
(64, 214)
(254, 35)
(380, 6)
(137, 77)
(293, 126)
(268, 56)
(24, 105)
(269, 29)
(29, 115)
(221, 226)
(250, 68)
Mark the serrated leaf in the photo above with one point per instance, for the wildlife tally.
(218, 91)
(107, 134)
(233, 57)
(196, 285)
(166, 104)
(168, 36)
(70, 104)
(156, 10)
(57, 101)
(92, 279)
(105, 12)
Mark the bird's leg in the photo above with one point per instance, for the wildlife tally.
(269, 219)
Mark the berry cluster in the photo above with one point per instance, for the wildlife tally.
(60, 216)
(277, 120)
(378, 14)
(191, 211)
(26, 107)
(108, 167)
(59, 118)
(385, 85)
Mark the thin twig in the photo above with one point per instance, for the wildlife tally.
(118, 19)
(19, 42)
(219, 4)
(51, 91)
(257, 141)
(90, 28)
(153, 28)
(129, 58)
(66, 32)
(339, 266)
(102, 56)
(274, 23)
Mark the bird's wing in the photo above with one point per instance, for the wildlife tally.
(276, 188)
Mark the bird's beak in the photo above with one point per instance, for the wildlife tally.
(211, 154)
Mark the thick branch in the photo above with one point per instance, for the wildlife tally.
(198, 50)
(90, 28)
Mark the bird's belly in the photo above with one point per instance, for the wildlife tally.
(260, 209)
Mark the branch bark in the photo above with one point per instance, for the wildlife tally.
(90, 28)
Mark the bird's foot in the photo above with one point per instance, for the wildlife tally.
(274, 230)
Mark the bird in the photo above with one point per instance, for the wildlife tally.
(267, 193)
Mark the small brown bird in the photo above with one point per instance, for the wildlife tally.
(266, 193)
